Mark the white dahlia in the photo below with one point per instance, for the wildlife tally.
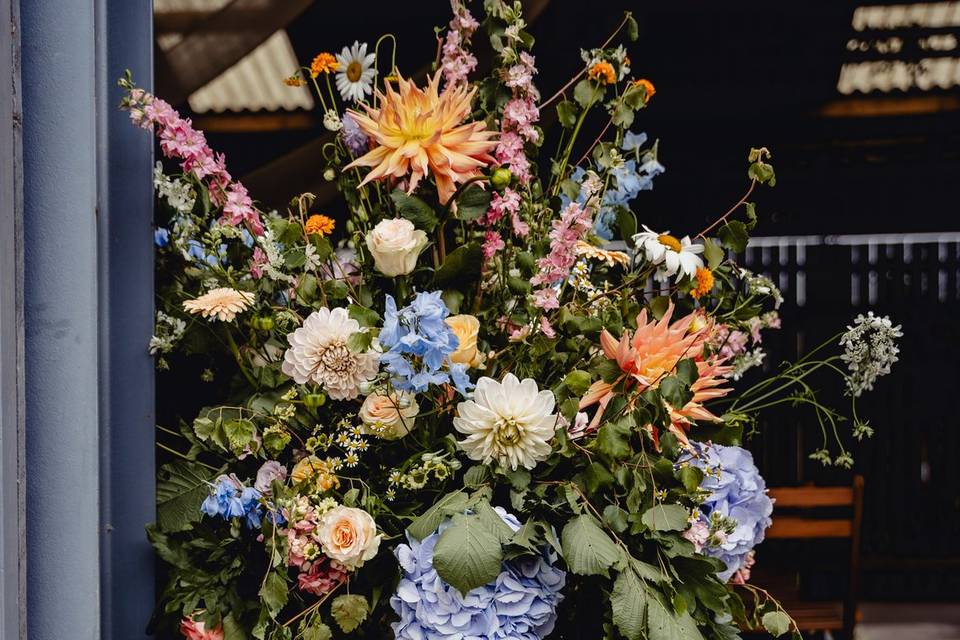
(222, 303)
(319, 353)
(511, 422)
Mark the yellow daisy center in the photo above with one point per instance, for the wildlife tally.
(354, 70)
(669, 242)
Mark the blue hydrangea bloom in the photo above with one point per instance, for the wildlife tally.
(418, 342)
(737, 491)
(161, 237)
(230, 501)
(520, 604)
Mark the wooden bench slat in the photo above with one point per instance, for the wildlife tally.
(812, 496)
(787, 527)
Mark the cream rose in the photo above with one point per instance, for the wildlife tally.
(466, 328)
(395, 245)
(349, 536)
(390, 416)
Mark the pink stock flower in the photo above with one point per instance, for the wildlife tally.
(195, 630)
(521, 114)
(322, 577)
(256, 264)
(572, 225)
(546, 299)
(239, 210)
(547, 328)
(456, 61)
(492, 242)
(743, 573)
(697, 534)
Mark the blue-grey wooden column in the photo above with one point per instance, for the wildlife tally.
(125, 202)
(88, 316)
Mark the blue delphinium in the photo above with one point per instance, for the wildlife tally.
(418, 343)
(228, 500)
(520, 604)
(629, 179)
(161, 237)
(737, 510)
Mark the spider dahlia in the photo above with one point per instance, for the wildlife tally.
(419, 131)
(319, 353)
(652, 353)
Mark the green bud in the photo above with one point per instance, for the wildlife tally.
(314, 400)
(501, 178)
(262, 323)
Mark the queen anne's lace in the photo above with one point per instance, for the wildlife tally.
(869, 349)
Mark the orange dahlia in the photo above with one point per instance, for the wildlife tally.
(648, 88)
(320, 225)
(421, 131)
(603, 72)
(323, 63)
(704, 278)
(653, 352)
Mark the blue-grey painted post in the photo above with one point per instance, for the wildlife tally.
(60, 305)
(125, 37)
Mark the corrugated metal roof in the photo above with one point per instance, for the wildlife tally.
(887, 75)
(255, 83)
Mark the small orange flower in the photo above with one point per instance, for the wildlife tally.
(603, 71)
(648, 89)
(704, 283)
(294, 81)
(320, 225)
(323, 63)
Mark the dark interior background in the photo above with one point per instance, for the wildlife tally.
(730, 76)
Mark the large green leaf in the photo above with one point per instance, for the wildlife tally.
(415, 210)
(629, 604)
(273, 593)
(180, 490)
(663, 624)
(587, 549)
(461, 264)
(446, 506)
(473, 202)
(776, 623)
(665, 517)
(468, 553)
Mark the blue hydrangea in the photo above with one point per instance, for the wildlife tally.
(161, 237)
(520, 604)
(418, 343)
(738, 509)
(228, 500)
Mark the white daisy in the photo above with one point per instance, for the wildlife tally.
(671, 253)
(356, 72)
(511, 422)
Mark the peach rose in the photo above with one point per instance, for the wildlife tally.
(312, 466)
(466, 328)
(389, 416)
(349, 536)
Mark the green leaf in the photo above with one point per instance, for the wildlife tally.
(317, 631)
(349, 610)
(461, 265)
(675, 392)
(240, 433)
(687, 371)
(273, 593)
(713, 253)
(453, 299)
(181, 488)
(567, 113)
(473, 202)
(587, 549)
(595, 477)
(360, 341)
(691, 477)
(628, 601)
(467, 554)
(622, 115)
(734, 236)
(295, 258)
(663, 624)
(659, 305)
(307, 288)
(366, 317)
(323, 247)
(415, 210)
(585, 92)
(665, 517)
(577, 381)
(232, 629)
(776, 623)
(633, 31)
(477, 476)
(751, 211)
(613, 439)
(446, 506)
(627, 224)
(615, 518)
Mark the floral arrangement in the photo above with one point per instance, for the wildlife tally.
(478, 400)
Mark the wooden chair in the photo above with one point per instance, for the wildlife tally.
(793, 520)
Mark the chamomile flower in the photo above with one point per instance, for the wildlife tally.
(351, 459)
(355, 72)
(673, 255)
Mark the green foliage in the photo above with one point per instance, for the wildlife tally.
(181, 487)
(415, 210)
(473, 202)
(666, 517)
(462, 264)
(349, 610)
(468, 553)
(776, 623)
(587, 549)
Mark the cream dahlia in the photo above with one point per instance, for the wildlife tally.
(319, 353)
(222, 303)
(420, 131)
(511, 422)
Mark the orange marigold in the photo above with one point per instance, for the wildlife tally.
(294, 81)
(603, 71)
(648, 88)
(704, 283)
(323, 63)
(320, 225)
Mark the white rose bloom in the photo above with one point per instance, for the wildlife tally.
(395, 245)
(348, 535)
(672, 254)
(389, 416)
(511, 422)
(319, 353)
